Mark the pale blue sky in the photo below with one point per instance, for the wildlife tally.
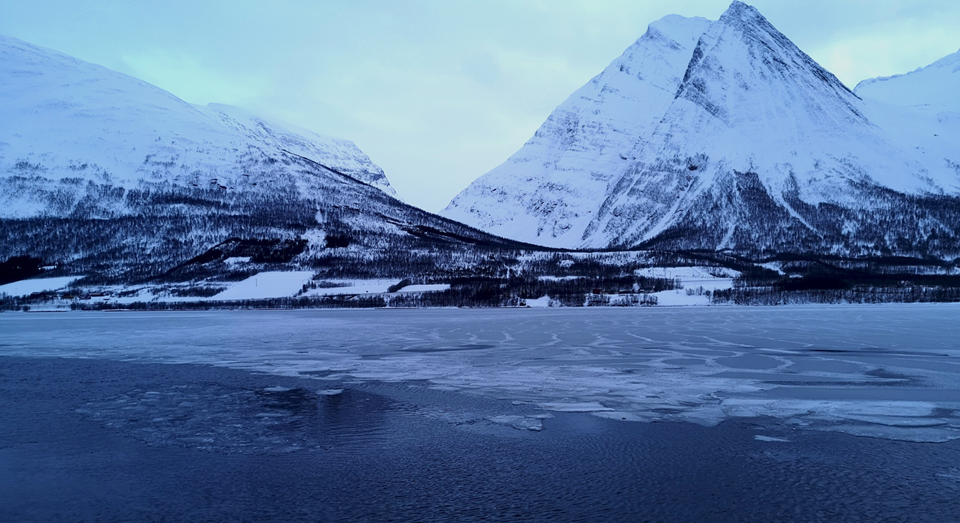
(437, 92)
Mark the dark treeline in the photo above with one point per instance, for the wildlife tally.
(189, 241)
(18, 268)
(875, 280)
(780, 296)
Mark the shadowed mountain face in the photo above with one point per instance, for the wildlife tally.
(758, 149)
(553, 186)
(108, 175)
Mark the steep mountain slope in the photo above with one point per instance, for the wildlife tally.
(761, 150)
(114, 177)
(547, 191)
(758, 149)
(66, 121)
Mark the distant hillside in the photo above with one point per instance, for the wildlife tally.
(107, 176)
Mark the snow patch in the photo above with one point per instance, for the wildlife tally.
(543, 301)
(28, 287)
(330, 392)
(771, 439)
(519, 422)
(266, 285)
(576, 407)
(679, 298)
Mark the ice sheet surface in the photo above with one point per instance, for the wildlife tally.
(889, 371)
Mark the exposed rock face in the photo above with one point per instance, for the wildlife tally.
(758, 149)
(552, 187)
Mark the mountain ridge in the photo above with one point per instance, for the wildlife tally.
(104, 175)
(873, 87)
(576, 153)
(763, 143)
(71, 119)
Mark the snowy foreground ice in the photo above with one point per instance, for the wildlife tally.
(890, 371)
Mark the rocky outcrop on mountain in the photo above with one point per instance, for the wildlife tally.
(551, 188)
(759, 150)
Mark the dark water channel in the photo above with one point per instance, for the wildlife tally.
(95, 440)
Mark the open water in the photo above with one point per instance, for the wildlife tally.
(726, 414)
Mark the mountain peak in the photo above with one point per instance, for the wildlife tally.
(743, 44)
(569, 163)
(741, 11)
(756, 147)
(748, 20)
(678, 28)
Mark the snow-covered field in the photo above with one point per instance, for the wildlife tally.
(709, 278)
(286, 284)
(267, 285)
(694, 280)
(260, 286)
(28, 287)
(889, 371)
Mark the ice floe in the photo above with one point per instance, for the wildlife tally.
(887, 371)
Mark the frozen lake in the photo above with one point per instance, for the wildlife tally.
(101, 440)
(700, 414)
(889, 371)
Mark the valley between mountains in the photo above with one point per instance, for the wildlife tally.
(714, 162)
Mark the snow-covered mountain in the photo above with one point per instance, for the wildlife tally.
(67, 121)
(921, 111)
(552, 187)
(936, 85)
(108, 175)
(749, 145)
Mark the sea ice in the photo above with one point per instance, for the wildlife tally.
(887, 371)
(771, 439)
